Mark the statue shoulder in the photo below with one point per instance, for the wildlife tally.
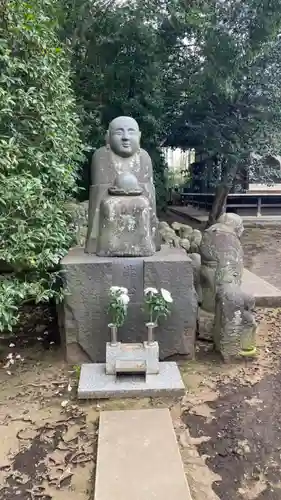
(100, 154)
(146, 162)
(145, 156)
(101, 173)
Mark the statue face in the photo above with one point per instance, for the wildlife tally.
(124, 136)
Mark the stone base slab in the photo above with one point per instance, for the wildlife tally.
(88, 278)
(94, 383)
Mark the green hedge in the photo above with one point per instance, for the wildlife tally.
(40, 148)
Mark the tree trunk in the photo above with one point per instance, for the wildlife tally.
(222, 191)
(221, 194)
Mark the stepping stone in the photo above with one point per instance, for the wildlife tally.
(266, 295)
(138, 457)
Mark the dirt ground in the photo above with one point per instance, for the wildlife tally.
(262, 248)
(228, 423)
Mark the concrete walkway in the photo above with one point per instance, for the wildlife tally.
(139, 458)
(200, 216)
(266, 295)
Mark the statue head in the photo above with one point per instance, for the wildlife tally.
(123, 136)
(233, 220)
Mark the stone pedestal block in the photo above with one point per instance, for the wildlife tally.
(125, 227)
(88, 278)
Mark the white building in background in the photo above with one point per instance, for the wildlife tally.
(177, 159)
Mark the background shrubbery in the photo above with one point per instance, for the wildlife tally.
(197, 74)
(39, 151)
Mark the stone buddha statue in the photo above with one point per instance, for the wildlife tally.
(122, 217)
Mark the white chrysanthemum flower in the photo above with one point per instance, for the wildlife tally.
(166, 295)
(123, 289)
(151, 290)
(114, 289)
(124, 299)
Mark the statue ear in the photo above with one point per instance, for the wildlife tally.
(140, 135)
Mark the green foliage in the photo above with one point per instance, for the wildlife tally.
(77, 371)
(199, 74)
(157, 303)
(160, 180)
(118, 305)
(232, 106)
(39, 150)
(120, 61)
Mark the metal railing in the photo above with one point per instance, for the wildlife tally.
(235, 201)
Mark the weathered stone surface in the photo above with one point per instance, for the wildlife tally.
(126, 182)
(125, 227)
(169, 237)
(235, 325)
(186, 231)
(185, 243)
(196, 265)
(172, 269)
(221, 279)
(141, 450)
(163, 224)
(122, 155)
(142, 357)
(88, 279)
(196, 237)
(234, 221)
(205, 325)
(94, 383)
(221, 261)
(176, 226)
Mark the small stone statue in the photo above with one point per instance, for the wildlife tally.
(234, 329)
(223, 303)
(221, 253)
(122, 188)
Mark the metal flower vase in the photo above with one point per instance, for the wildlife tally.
(113, 334)
(150, 332)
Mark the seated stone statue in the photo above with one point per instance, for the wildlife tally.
(110, 179)
(125, 220)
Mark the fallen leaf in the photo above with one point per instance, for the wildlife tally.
(71, 434)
